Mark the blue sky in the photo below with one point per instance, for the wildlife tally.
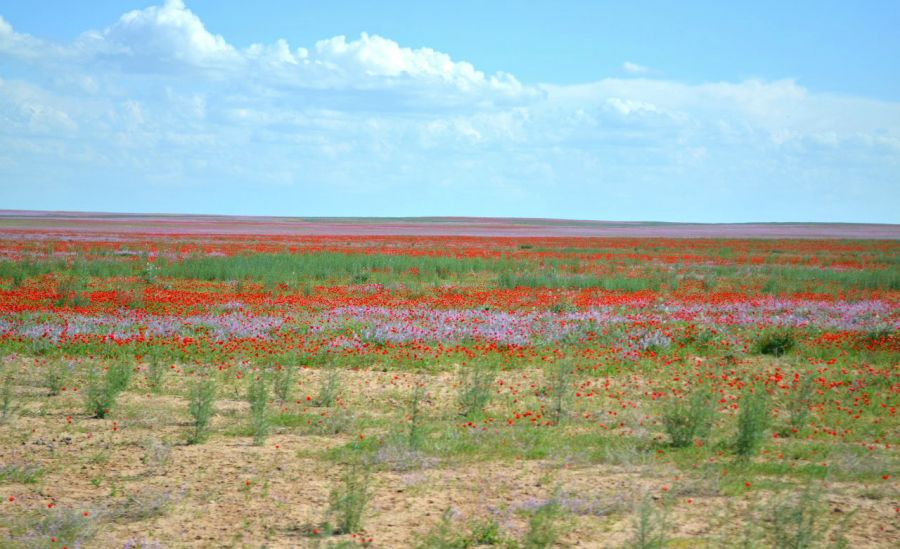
(705, 111)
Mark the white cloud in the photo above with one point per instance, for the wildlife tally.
(160, 35)
(634, 68)
(375, 56)
(159, 95)
(628, 106)
(171, 38)
(18, 45)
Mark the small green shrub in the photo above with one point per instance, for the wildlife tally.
(689, 419)
(156, 370)
(101, 394)
(776, 342)
(6, 394)
(202, 401)
(118, 376)
(329, 388)
(70, 527)
(475, 384)
(543, 526)
(560, 391)
(258, 397)
(347, 503)
(56, 372)
(447, 535)
(801, 521)
(415, 420)
(283, 381)
(71, 290)
(798, 406)
(752, 422)
(25, 473)
(157, 454)
(651, 527)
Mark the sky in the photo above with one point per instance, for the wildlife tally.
(666, 111)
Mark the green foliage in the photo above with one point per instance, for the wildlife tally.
(560, 391)
(101, 393)
(298, 269)
(447, 535)
(801, 520)
(258, 397)
(149, 273)
(70, 291)
(24, 473)
(475, 385)
(283, 382)
(202, 402)
(543, 526)
(118, 376)
(156, 370)
(690, 418)
(551, 279)
(798, 406)
(775, 342)
(651, 527)
(70, 527)
(329, 388)
(415, 420)
(6, 393)
(56, 372)
(752, 422)
(347, 502)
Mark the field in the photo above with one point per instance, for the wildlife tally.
(185, 381)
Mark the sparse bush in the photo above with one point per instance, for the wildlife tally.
(415, 427)
(329, 388)
(156, 370)
(6, 393)
(800, 520)
(798, 406)
(71, 290)
(347, 503)
(752, 422)
(333, 423)
(56, 372)
(283, 382)
(202, 401)
(258, 396)
(689, 419)
(475, 384)
(101, 394)
(143, 505)
(775, 341)
(118, 376)
(149, 273)
(25, 473)
(156, 453)
(651, 527)
(70, 527)
(560, 391)
(543, 526)
(447, 535)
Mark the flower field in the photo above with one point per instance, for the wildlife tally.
(268, 388)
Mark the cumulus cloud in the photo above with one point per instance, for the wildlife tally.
(375, 56)
(18, 45)
(171, 38)
(158, 98)
(170, 33)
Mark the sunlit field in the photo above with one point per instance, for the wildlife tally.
(447, 391)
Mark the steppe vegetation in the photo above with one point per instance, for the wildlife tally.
(447, 391)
